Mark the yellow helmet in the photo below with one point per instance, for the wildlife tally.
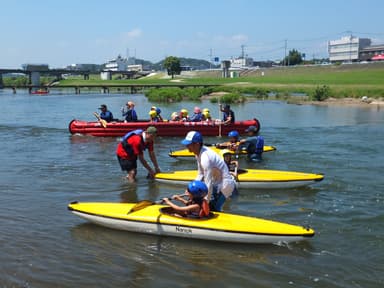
(184, 112)
(174, 115)
(152, 113)
(207, 114)
(205, 110)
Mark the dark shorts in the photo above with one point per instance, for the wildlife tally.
(127, 165)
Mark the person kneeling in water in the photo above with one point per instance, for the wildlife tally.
(196, 206)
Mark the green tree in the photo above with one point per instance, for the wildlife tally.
(294, 57)
(172, 64)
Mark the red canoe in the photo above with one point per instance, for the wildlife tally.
(40, 92)
(178, 129)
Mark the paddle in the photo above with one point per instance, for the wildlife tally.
(219, 118)
(145, 203)
(102, 121)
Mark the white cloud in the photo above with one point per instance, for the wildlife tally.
(239, 38)
(134, 33)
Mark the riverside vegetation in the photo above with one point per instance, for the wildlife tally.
(313, 83)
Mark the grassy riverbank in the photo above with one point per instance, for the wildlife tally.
(341, 81)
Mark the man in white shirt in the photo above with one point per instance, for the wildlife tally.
(211, 169)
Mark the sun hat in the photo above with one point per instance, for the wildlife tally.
(151, 130)
(192, 137)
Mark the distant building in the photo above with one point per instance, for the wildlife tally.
(263, 64)
(35, 67)
(367, 53)
(137, 68)
(186, 68)
(347, 49)
(241, 62)
(118, 64)
(85, 67)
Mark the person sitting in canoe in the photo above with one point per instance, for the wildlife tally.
(105, 114)
(184, 115)
(233, 165)
(206, 115)
(197, 115)
(158, 113)
(153, 117)
(253, 144)
(196, 206)
(175, 117)
(228, 114)
(211, 169)
(129, 113)
(231, 144)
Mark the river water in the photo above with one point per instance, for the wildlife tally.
(44, 168)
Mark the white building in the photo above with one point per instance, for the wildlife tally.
(346, 49)
(241, 62)
(118, 64)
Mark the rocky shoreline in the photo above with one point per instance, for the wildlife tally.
(363, 102)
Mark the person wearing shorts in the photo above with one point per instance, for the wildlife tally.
(132, 148)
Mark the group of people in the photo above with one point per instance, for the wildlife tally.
(216, 177)
(214, 183)
(129, 114)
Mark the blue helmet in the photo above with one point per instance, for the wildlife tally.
(198, 189)
(234, 133)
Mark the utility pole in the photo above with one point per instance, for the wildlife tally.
(242, 51)
(210, 59)
(285, 53)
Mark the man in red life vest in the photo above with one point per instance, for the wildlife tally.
(132, 147)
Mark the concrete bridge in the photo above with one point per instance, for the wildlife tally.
(35, 71)
(34, 74)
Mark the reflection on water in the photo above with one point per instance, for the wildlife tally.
(44, 168)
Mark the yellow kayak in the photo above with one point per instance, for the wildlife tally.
(148, 217)
(250, 178)
(186, 153)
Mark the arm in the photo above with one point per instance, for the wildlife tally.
(152, 155)
(223, 145)
(184, 210)
(228, 121)
(207, 174)
(200, 172)
(146, 165)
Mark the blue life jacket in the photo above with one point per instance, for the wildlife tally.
(124, 141)
(259, 145)
(255, 146)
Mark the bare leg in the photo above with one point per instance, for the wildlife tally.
(131, 176)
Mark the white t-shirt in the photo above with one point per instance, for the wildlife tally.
(214, 171)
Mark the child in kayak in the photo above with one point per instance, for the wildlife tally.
(233, 165)
(196, 206)
(233, 141)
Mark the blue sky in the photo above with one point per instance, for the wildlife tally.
(60, 33)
